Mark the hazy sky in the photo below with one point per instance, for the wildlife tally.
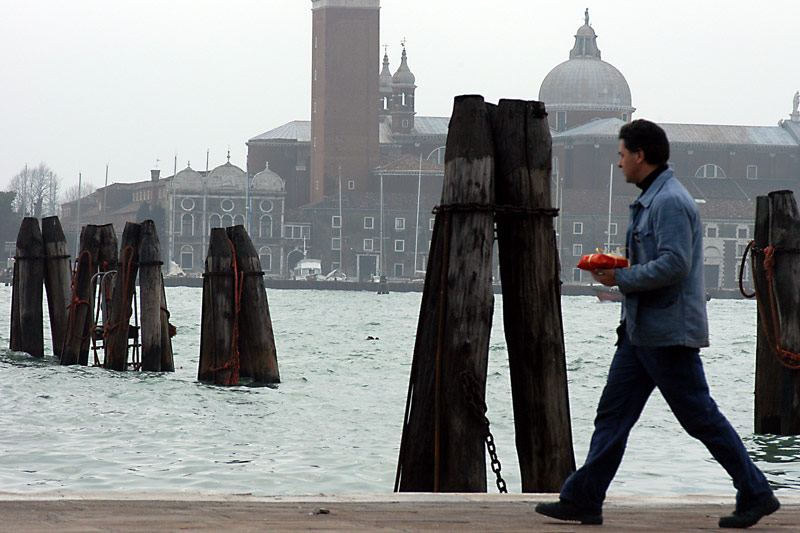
(85, 83)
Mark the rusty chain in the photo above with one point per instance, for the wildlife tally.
(472, 396)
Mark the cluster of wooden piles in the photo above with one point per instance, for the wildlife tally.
(99, 278)
(236, 337)
(497, 171)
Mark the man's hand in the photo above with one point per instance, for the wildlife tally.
(606, 276)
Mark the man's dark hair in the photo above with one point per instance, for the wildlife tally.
(649, 138)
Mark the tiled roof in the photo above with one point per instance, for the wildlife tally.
(300, 130)
(695, 133)
(409, 163)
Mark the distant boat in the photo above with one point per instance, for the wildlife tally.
(607, 294)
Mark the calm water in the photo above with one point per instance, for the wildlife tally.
(333, 425)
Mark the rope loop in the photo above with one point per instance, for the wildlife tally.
(788, 359)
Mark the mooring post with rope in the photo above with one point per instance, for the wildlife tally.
(775, 260)
(442, 445)
(81, 301)
(257, 355)
(219, 353)
(150, 289)
(115, 331)
(28, 288)
(105, 265)
(57, 280)
(529, 271)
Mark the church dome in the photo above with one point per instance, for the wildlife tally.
(586, 82)
(188, 179)
(385, 78)
(403, 76)
(267, 180)
(227, 176)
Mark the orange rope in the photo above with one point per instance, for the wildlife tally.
(785, 357)
(75, 301)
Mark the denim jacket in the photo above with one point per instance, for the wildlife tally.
(664, 300)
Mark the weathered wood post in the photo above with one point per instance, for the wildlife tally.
(442, 447)
(15, 334)
(150, 296)
(777, 271)
(529, 271)
(116, 331)
(57, 280)
(257, 355)
(30, 273)
(167, 359)
(82, 302)
(219, 359)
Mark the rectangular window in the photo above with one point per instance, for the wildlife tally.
(336, 221)
(741, 233)
(740, 248)
(752, 172)
(613, 228)
(336, 244)
(711, 232)
(351, 185)
(368, 245)
(431, 223)
(305, 231)
(399, 245)
(398, 270)
(577, 228)
(369, 223)
(576, 274)
(577, 250)
(399, 224)
(561, 120)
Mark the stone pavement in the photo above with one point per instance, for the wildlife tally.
(462, 513)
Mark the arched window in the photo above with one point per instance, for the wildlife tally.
(709, 170)
(238, 220)
(187, 224)
(187, 257)
(437, 155)
(214, 221)
(265, 255)
(227, 221)
(265, 227)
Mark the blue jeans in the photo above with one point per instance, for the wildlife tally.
(678, 373)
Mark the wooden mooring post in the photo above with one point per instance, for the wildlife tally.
(81, 304)
(776, 262)
(116, 329)
(219, 360)
(28, 289)
(529, 270)
(150, 292)
(442, 447)
(257, 354)
(57, 280)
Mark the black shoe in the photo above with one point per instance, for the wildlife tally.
(567, 511)
(743, 519)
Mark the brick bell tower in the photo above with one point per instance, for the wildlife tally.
(345, 52)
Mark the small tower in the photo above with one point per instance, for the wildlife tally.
(403, 97)
(385, 88)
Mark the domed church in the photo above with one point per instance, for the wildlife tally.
(585, 87)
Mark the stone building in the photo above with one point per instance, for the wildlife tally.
(198, 203)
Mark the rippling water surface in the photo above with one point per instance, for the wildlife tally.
(334, 423)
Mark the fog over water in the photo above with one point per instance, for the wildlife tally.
(89, 83)
(334, 423)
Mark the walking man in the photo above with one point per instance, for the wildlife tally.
(663, 327)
